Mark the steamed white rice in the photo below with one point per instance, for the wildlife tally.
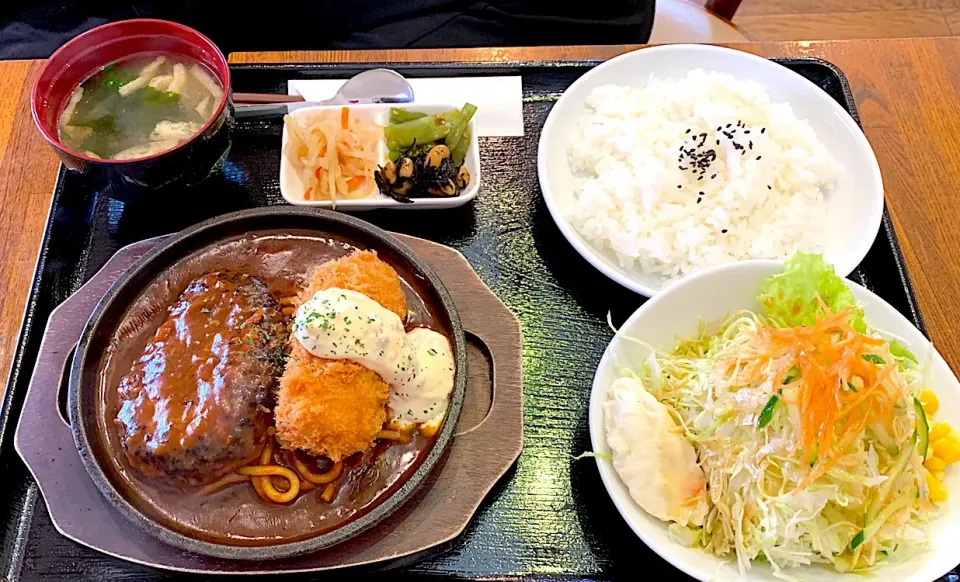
(639, 193)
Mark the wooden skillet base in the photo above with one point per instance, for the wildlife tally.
(488, 440)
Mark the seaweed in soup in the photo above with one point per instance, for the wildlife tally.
(139, 106)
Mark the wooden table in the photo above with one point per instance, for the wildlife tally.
(906, 90)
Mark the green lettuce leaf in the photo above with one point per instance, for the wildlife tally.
(905, 358)
(790, 298)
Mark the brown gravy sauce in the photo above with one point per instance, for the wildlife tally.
(236, 515)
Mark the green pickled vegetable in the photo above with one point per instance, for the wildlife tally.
(426, 129)
(459, 153)
(766, 415)
(460, 125)
(398, 116)
(393, 154)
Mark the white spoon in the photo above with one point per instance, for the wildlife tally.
(373, 86)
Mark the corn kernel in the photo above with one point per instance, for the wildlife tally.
(937, 490)
(934, 463)
(949, 451)
(940, 475)
(938, 447)
(930, 402)
(939, 430)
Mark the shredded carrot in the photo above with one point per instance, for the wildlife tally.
(829, 354)
(355, 181)
(345, 118)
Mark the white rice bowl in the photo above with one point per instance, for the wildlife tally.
(667, 213)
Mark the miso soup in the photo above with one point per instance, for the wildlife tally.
(138, 107)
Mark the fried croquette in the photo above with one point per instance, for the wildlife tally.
(328, 407)
(362, 272)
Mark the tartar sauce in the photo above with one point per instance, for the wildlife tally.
(427, 403)
(418, 366)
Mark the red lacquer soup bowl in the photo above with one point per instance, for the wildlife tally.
(85, 55)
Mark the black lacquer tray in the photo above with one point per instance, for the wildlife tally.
(549, 517)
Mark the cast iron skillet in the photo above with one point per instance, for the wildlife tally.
(83, 385)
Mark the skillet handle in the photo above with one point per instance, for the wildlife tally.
(43, 436)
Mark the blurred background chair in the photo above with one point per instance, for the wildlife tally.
(679, 21)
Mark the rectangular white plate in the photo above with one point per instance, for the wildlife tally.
(292, 189)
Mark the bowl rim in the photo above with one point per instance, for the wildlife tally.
(613, 484)
(630, 280)
(82, 427)
(54, 141)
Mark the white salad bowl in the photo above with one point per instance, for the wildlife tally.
(710, 296)
(292, 188)
(854, 204)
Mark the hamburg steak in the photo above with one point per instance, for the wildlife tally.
(195, 404)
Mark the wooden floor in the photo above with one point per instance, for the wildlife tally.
(845, 19)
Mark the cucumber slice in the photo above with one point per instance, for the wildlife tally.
(766, 415)
(880, 433)
(791, 375)
(875, 525)
(857, 539)
(923, 429)
(874, 508)
(814, 454)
